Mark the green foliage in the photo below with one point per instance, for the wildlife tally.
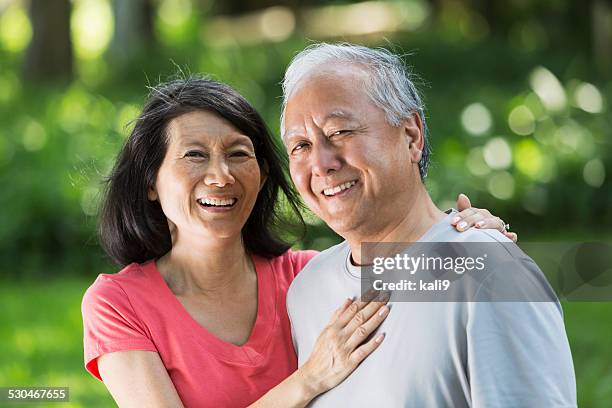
(58, 142)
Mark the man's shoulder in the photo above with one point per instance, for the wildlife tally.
(510, 274)
(450, 234)
(476, 239)
(316, 269)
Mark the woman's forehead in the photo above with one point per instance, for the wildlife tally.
(204, 127)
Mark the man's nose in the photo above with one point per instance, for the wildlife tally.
(325, 159)
(218, 173)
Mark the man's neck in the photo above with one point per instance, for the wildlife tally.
(409, 226)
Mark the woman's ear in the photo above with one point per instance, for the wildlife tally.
(152, 194)
(413, 130)
(264, 170)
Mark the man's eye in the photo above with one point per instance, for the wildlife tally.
(298, 147)
(338, 133)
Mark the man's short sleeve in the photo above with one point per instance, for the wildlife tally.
(518, 352)
(110, 323)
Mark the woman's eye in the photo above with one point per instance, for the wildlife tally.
(240, 154)
(194, 153)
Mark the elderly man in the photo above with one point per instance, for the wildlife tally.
(355, 132)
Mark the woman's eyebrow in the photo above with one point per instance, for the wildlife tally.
(191, 142)
(240, 140)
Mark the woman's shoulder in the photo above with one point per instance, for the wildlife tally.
(301, 257)
(291, 262)
(113, 287)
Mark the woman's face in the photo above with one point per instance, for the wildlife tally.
(209, 179)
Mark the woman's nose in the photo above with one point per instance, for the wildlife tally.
(218, 173)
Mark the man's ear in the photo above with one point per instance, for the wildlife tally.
(152, 194)
(413, 130)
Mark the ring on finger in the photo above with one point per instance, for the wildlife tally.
(505, 227)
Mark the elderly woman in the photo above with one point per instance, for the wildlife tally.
(197, 316)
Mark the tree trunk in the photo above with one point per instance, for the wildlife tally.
(49, 54)
(237, 7)
(134, 29)
(601, 14)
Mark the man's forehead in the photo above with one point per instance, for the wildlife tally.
(335, 94)
(331, 93)
(333, 78)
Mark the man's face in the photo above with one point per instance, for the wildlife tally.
(350, 166)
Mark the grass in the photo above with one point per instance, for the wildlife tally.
(41, 339)
(41, 343)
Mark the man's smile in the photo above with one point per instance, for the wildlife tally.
(338, 189)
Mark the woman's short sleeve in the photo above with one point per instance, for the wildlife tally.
(301, 258)
(110, 323)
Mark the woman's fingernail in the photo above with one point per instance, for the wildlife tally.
(456, 220)
(462, 225)
(480, 224)
(380, 337)
(383, 311)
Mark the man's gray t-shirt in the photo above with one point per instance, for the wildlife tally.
(440, 354)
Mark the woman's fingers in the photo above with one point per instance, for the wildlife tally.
(469, 218)
(367, 311)
(513, 236)
(361, 332)
(463, 202)
(366, 349)
(481, 218)
(340, 310)
(354, 308)
(348, 313)
(491, 223)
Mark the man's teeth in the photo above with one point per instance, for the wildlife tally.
(216, 202)
(335, 190)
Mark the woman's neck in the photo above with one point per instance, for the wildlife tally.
(211, 266)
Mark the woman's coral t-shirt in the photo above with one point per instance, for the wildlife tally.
(135, 310)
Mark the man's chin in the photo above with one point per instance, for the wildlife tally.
(340, 223)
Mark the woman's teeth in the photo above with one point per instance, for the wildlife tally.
(335, 190)
(228, 202)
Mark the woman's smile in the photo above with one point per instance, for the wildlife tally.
(217, 204)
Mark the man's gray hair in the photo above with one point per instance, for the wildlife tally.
(389, 84)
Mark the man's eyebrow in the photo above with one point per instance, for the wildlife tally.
(289, 136)
(338, 114)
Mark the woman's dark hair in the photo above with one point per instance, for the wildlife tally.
(134, 229)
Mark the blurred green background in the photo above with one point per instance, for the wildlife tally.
(517, 96)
